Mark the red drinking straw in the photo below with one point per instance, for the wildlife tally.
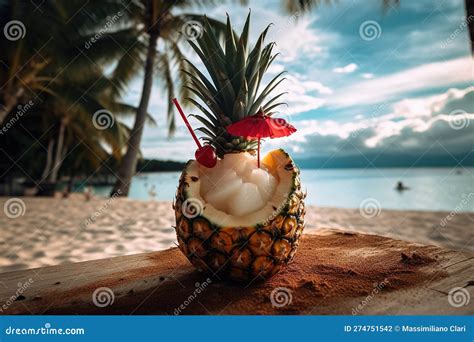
(185, 119)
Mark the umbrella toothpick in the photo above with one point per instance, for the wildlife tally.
(258, 154)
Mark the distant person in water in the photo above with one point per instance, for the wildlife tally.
(401, 186)
(152, 192)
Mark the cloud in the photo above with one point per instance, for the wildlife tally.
(275, 68)
(303, 95)
(440, 139)
(297, 38)
(180, 147)
(311, 47)
(346, 70)
(295, 35)
(438, 124)
(442, 124)
(426, 76)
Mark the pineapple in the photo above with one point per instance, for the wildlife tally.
(236, 220)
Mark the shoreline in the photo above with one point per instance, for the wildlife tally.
(79, 196)
(55, 231)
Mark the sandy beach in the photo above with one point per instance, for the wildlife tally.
(334, 272)
(55, 231)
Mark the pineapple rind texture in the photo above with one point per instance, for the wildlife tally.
(243, 253)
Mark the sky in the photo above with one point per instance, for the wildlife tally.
(362, 82)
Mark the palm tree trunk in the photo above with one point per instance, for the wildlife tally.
(70, 184)
(49, 160)
(42, 184)
(128, 164)
(58, 158)
(10, 102)
(470, 21)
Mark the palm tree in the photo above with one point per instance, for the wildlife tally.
(72, 113)
(302, 6)
(470, 21)
(298, 6)
(154, 46)
(41, 46)
(25, 52)
(43, 59)
(85, 113)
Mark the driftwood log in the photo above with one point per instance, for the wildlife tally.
(334, 272)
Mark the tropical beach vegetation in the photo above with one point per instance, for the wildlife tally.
(111, 205)
(65, 68)
(74, 82)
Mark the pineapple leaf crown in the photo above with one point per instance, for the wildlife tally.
(233, 91)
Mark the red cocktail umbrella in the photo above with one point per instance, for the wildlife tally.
(261, 126)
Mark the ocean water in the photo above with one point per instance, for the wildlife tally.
(430, 189)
